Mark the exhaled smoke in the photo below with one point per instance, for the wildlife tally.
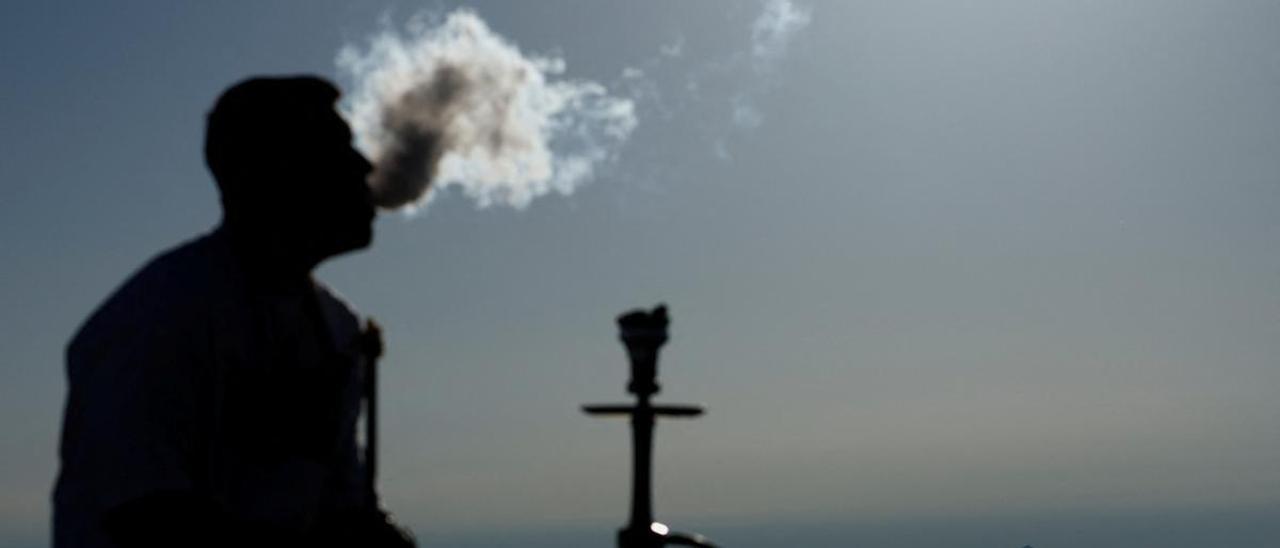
(771, 33)
(456, 104)
(773, 29)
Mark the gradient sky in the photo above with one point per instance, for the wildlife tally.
(980, 265)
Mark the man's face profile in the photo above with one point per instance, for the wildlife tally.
(337, 203)
(286, 167)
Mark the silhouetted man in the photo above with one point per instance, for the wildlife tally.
(214, 397)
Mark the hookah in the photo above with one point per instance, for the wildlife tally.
(643, 333)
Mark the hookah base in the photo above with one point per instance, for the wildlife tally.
(659, 535)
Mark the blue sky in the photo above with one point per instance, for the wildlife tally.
(980, 271)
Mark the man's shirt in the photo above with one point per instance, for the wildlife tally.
(197, 376)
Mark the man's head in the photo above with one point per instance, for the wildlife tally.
(285, 166)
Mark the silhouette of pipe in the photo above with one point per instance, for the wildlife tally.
(643, 333)
(371, 347)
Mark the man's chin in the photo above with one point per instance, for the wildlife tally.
(354, 241)
(362, 240)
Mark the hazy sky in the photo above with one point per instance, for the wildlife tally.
(974, 264)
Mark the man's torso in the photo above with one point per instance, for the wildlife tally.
(196, 376)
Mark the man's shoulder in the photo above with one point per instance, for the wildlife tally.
(172, 290)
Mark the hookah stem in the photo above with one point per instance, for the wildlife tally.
(642, 420)
(371, 430)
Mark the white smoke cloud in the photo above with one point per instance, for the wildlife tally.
(454, 104)
(771, 34)
(673, 49)
(745, 113)
(773, 29)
